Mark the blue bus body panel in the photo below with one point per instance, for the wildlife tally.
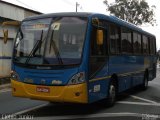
(97, 89)
(98, 86)
(130, 69)
(125, 64)
(45, 77)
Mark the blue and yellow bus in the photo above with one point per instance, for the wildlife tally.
(80, 58)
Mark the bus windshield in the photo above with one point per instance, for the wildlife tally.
(57, 41)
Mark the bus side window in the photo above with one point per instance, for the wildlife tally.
(97, 52)
(114, 39)
(152, 46)
(126, 41)
(145, 45)
(136, 43)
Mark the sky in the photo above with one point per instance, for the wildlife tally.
(53, 6)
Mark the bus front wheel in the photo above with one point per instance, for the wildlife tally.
(111, 94)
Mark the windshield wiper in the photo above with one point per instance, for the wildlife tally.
(53, 44)
(35, 48)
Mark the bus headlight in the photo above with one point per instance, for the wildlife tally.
(14, 76)
(77, 78)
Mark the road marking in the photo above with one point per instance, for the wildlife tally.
(5, 90)
(99, 115)
(139, 103)
(143, 99)
(30, 109)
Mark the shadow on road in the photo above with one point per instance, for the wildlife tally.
(79, 109)
(67, 109)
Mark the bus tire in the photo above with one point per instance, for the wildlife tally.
(145, 81)
(111, 94)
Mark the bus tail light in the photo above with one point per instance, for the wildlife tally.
(14, 76)
(77, 78)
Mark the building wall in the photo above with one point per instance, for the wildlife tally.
(15, 13)
(5, 58)
(6, 50)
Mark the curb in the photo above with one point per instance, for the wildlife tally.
(4, 80)
(4, 86)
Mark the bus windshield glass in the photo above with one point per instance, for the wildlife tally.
(57, 41)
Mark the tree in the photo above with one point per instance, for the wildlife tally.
(133, 11)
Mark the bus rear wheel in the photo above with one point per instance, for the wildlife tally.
(145, 81)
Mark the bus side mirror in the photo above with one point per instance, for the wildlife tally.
(5, 36)
(99, 37)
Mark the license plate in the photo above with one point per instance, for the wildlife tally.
(42, 89)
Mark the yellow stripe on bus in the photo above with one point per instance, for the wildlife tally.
(124, 74)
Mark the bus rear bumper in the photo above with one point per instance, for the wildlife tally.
(69, 93)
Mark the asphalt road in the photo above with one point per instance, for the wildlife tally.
(131, 105)
(11, 105)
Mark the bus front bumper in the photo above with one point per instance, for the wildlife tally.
(69, 93)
